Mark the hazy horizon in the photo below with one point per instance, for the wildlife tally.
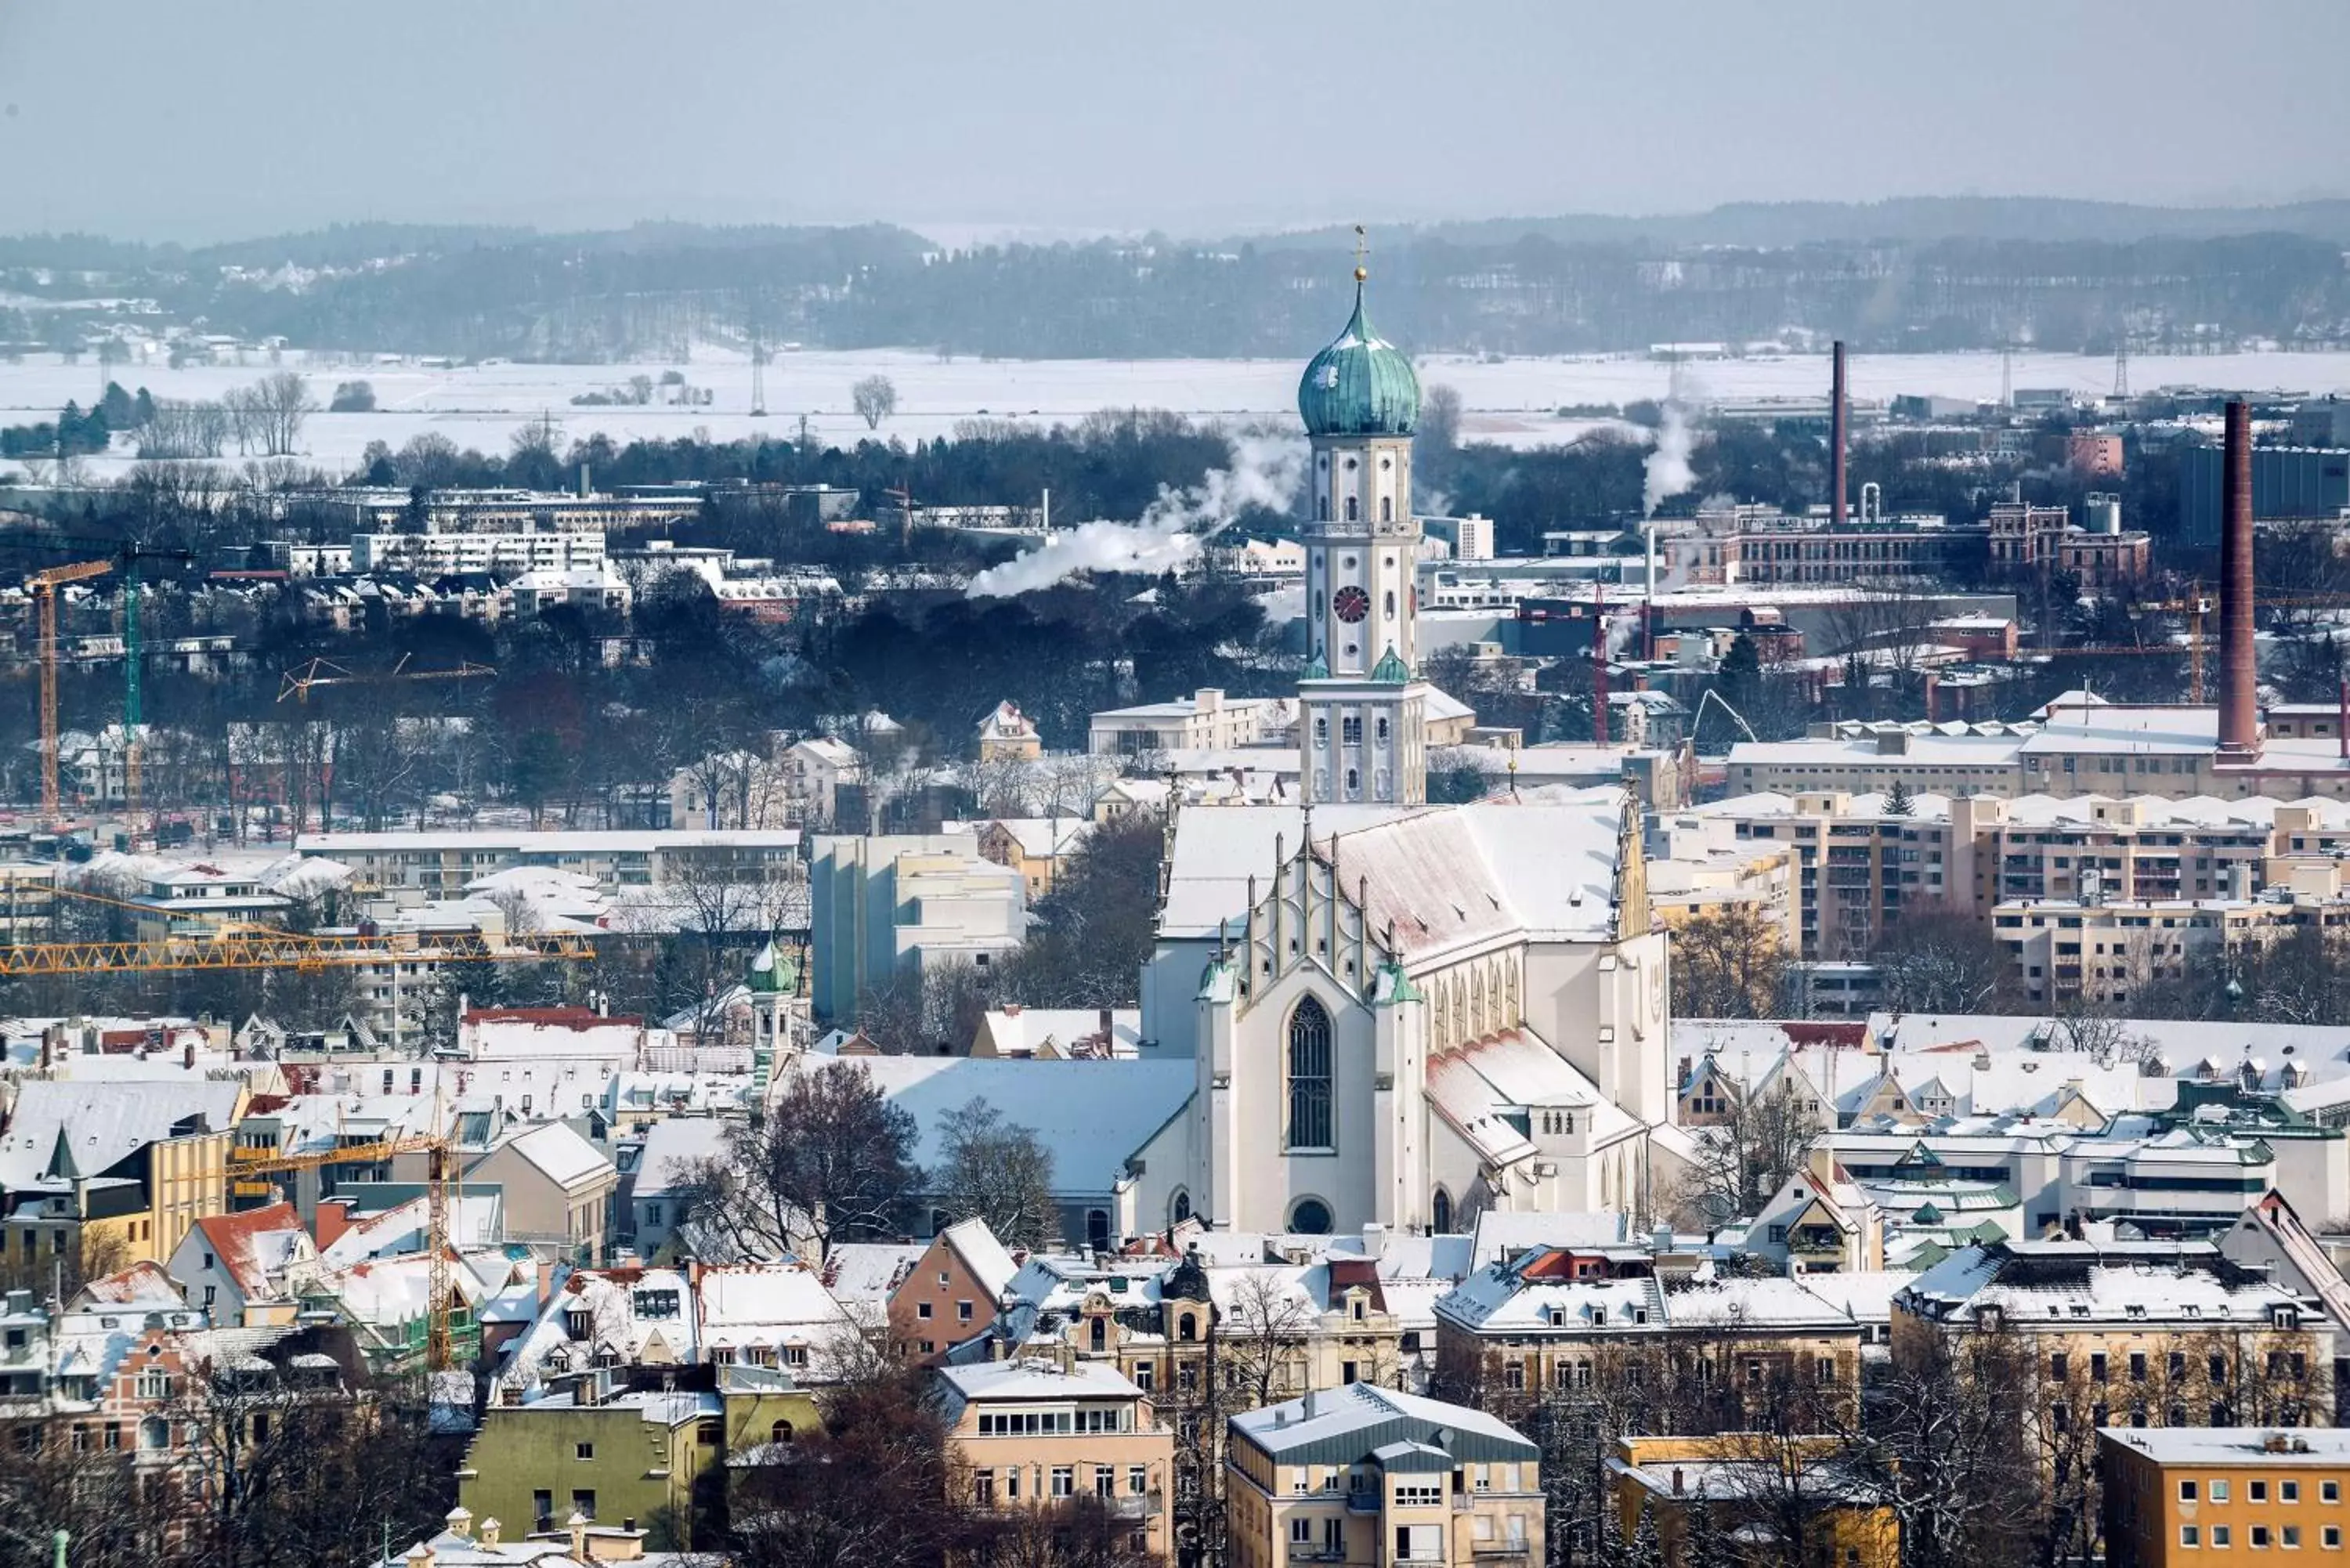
(147, 121)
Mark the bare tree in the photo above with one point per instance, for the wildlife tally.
(834, 1159)
(1267, 1322)
(998, 1172)
(1728, 962)
(876, 399)
(278, 405)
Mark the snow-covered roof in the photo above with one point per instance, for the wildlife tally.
(1091, 1116)
(562, 1155)
(1443, 875)
(87, 1129)
(672, 1148)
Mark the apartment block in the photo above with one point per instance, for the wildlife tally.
(1374, 1477)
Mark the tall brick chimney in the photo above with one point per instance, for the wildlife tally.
(1836, 437)
(2240, 718)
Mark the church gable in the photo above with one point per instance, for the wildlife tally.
(1303, 917)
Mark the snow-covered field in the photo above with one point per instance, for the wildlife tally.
(1509, 400)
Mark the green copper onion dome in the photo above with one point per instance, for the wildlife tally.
(1361, 385)
(1314, 670)
(1392, 669)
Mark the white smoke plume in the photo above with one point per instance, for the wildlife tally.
(1669, 469)
(1266, 471)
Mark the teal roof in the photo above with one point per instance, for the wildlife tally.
(1394, 671)
(1360, 385)
(770, 971)
(1314, 670)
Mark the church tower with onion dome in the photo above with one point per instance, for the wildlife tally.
(1362, 727)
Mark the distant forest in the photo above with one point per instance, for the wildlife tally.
(1917, 275)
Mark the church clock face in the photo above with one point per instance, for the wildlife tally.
(1351, 603)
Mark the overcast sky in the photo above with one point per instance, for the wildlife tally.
(163, 119)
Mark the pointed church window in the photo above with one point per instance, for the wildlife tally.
(1354, 509)
(1439, 1213)
(1322, 508)
(1309, 1075)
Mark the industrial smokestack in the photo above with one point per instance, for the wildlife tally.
(1836, 437)
(2239, 663)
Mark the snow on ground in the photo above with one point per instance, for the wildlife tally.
(1509, 400)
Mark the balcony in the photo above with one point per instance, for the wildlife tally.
(1146, 1505)
(1364, 1501)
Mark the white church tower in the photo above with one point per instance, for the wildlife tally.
(1362, 729)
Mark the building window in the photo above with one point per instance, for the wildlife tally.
(2332, 1537)
(1310, 1217)
(583, 1503)
(1309, 1076)
(2256, 1492)
(1354, 510)
(2260, 1537)
(780, 1432)
(2189, 1535)
(583, 1450)
(2220, 1536)
(2219, 1490)
(1439, 1213)
(1065, 1480)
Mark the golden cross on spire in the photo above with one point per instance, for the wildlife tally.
(1362, 253)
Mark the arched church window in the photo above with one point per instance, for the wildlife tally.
(1321, 730)
(1351, 729)
(1350, 465)
(1310, 1217)
(1354, 780)
(1354, 509)
(1322, 508)
(1187, 1328)
(1439, 1213)
(1180, 1210)
(1390, 604)
(1383, 729)
(1387, 508)
(1386, 463)
(1309, 1071)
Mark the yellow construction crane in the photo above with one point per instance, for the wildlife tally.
(441, 1189)
(45, 585)
(2195, 606)
(259, 948)
(297, 683)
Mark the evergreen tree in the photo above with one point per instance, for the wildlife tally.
(1647, 1549)
(143, 408)
(1742, 667)
(1897, 801)
(119, 410)
(1703, 1546)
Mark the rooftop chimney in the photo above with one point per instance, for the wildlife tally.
(1836, 437)
(2239, 664)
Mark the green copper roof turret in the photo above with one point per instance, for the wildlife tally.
(1390, 669)
(1314, 670)
(1361, 385)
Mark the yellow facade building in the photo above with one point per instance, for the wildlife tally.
(2188, 1496)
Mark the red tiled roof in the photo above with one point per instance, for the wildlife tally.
(231, 1238)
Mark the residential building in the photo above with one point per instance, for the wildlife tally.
(1033, 847)
(559, 1191)
(1364, 1475)
(1032, 1434)
(2094, 454)
(504, 554)
(2175, 1495)
(2138, 1333)
(596, 588)
(1754, 1485)
(1580, 1316)
(1007, 734)
(1206, 721)
(1470, 538)
(1756, 544)
(594, 1445)
(235, 1266)
(391, 509)
(953, 1293)
(884, 907)
(101, 1175)
(443, 862)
